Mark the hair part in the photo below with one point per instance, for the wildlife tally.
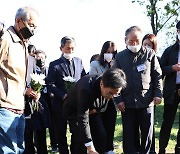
(114, 78)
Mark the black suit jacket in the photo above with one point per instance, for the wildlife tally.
(168, 59)
(57, 71)
(80, 100)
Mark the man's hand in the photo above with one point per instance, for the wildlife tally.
(31, 93)
(157, 100)
(91, 150)
(121, 106)
(176, 67)
(93, 111)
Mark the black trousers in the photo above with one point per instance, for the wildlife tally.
(130, 118)
(52, 130)
(61, 129)
(168, 120)
(98, 134)
(137, 138)
(40, 142)
(109, 122)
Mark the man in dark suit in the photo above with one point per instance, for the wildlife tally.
(170, 64)
(79, 105)
(66, 65)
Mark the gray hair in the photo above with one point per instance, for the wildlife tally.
(132, 29)
(25, 13)
(66, 39)
(39, 51)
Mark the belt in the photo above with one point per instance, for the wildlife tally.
(16, 111)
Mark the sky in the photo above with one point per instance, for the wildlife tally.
(90, 22)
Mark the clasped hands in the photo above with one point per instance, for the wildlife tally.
(32, 93)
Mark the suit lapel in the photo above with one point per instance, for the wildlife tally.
(77, 69)
(64, 67)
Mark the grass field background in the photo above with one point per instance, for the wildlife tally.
(158, 122)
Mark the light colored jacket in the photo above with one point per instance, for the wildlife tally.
(97, 68)
(13, 64)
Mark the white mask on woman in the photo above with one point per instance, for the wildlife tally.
(108, 57)
(135, 48)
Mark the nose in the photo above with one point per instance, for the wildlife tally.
(71, 50)
(134, 43)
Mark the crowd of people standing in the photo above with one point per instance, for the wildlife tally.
(130, 81)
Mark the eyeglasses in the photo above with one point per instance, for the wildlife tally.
(32, 26)
(112, 95)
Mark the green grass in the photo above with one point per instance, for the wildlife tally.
(158, 122)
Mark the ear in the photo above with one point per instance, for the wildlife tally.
(101, 83)
(125, 39)
(60, 48)
(18, 19)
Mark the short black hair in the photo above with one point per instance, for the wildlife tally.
(114, 78)
(94, 57)
(31, 48)
(65, 39)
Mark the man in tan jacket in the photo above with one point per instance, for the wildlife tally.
(13, 68)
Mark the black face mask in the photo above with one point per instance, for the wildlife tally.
(40, 63)
(26, 32)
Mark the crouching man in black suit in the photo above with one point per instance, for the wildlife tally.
(80, 105)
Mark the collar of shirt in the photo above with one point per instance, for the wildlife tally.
(66, 60)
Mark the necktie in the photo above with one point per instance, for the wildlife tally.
(70, 68)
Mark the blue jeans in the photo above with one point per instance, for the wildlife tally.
(11, 132)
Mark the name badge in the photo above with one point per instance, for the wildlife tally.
(141, 67)
(45, 90)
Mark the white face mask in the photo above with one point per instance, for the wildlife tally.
(108, 57)
(68, 56)
(135, 48)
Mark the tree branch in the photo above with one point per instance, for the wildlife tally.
(167, 20)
